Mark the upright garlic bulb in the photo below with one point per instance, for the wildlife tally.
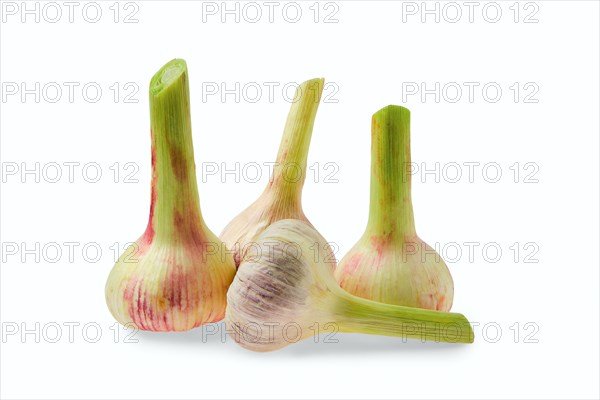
(287, 293)
(282, 197)
(390, 263)
(175, 277)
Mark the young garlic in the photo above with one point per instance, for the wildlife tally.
(175, 277)
(287, 292)
(390, 263)
(282, 197)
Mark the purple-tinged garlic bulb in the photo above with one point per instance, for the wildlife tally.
(287, 291)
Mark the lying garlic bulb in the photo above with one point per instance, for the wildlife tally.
(287, 290)
(175, 277)
(390, 263)
(282, 197)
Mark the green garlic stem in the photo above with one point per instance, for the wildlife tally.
(289, 171)
(175, 205)
(355, 314)
(391, 211)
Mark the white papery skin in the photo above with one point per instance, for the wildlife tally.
(279, 289)
(241, 233)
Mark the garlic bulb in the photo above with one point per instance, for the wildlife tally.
(175, 276)
(282, 197)
(287, 291)
(390, 263)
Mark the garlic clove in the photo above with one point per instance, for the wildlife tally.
(284, 292)
(282, 197)
(390, 263)
(176, 275)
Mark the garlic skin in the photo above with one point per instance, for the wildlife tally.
(274, 288)
(169, 287)
(282, 198)
(287, 290)
(390, 263)
(407, 272)
(176, 275)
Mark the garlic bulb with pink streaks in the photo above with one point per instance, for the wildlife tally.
(390, 263)
(176, 275)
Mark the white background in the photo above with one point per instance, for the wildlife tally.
(367, 55)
